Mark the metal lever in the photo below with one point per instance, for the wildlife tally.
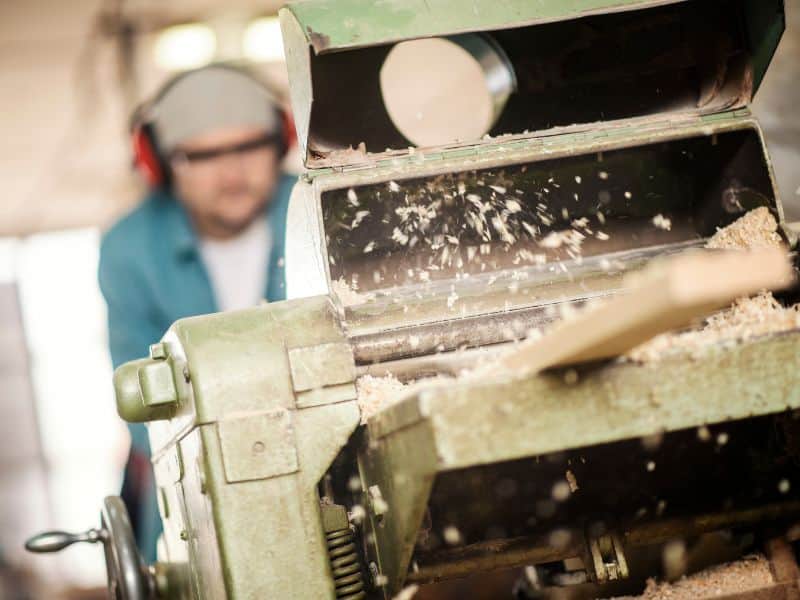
(55, 541)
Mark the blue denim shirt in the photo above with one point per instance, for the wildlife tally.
(151, 274)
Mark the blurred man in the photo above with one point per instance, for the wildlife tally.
(208, 237)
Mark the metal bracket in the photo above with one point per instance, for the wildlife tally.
(157, 384)
(322, 374)
(258, 446)
(607, 559)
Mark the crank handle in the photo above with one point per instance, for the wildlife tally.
(55, 541)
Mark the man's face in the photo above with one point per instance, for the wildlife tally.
(225, 178)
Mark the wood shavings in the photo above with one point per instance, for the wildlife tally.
(662, 222)
(376, 393)
(452, 298)
(399, 236)
(352, 197)
(750, 573)
(756, 229)
(581, 223)
(451, 535)
(559, 538)
(357, 514)
(556, 239)
(561, 491)
(360, 215)
(572, 481)
(746, 319)
(348, 295)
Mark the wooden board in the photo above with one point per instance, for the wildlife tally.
(667, 295)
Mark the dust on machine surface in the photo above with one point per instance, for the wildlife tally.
(427, 238)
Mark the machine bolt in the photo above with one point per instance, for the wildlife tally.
(184, 535)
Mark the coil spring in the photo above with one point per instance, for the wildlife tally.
(346, 567)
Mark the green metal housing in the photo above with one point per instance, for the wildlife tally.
(335, 49)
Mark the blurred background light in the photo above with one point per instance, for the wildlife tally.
(62, 445)
(185, 46)
(262, 40)
(8, 248)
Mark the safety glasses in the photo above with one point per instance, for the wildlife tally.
(197, 157)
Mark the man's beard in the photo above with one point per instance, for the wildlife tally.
(235, 224)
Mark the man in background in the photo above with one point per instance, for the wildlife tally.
(208, 237)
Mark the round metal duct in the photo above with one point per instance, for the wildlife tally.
(444, 90)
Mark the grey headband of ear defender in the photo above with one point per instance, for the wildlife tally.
(211, 98)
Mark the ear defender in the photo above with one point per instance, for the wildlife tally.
(289, 131)
(146, 158)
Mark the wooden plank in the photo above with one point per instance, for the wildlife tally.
(667, 295)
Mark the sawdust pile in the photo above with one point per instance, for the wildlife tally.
(748, 317)
(376, 393)
(748, 574)
(756, 229)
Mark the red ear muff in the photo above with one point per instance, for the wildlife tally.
(145, 156)
(289, 130)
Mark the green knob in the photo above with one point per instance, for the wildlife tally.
(145, 390)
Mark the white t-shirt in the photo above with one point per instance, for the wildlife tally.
(238, 267)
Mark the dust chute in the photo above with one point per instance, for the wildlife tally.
(423, 84)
